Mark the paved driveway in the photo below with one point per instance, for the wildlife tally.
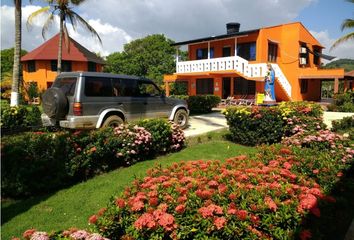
(200, 124)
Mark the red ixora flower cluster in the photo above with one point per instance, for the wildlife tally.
(207, 196)
(72, 234)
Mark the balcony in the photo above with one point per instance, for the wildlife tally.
(251, 71)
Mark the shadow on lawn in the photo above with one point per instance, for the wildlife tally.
(335, 218)
(12, 208)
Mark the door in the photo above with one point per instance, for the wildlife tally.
(155, 104)
(226, 87)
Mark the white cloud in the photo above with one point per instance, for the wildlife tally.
(113, 38)
(344, 50)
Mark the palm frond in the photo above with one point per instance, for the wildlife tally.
(77, 2)
(342, 39)
(34, 15)
(85, 24)
(347, 23)
(72, 21)
(351, 1)
(47, 24)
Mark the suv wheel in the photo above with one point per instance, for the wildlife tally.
(55, 103)
(113, 121)
(181, 118)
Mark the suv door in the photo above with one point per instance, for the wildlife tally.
(154, 102)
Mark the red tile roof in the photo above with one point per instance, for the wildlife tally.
(49, 51)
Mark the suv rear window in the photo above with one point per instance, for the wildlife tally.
(67, 85)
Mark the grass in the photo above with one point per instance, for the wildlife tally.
(73, 206)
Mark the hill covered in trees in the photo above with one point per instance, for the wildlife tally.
(347, 64)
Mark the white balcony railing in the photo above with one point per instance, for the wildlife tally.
(240, 65)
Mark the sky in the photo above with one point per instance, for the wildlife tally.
(121, 21)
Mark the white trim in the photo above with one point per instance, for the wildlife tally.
(104, 113)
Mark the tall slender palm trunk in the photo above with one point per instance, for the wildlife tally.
(17, 54)
(60, 51)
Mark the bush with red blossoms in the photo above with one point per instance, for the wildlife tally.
(260, 197)
(71, 234)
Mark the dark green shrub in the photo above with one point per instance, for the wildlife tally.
(254, 125)
(343, 102)
(200, 103)
(345, 123)
(20, 117)
(33, 163)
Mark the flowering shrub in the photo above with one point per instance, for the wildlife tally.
(301, 115)
(166, 136)
(254, 125)
(71, 234)
(243, 198)
(38, 162)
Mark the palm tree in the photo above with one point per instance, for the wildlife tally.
(347, 24)
(65, 12)
(17, 54)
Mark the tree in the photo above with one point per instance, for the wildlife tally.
(17, 51)
(347, 24)
(7, 61)
(64, 11)
(149, 57)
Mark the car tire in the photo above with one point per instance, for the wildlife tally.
(55, 103)
(181, 118)
(113, 121)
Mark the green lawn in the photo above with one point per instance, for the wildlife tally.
(73, 206)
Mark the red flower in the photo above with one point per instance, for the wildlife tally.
(285, 151)
(287, 165)
(101, 211)
(305, 234)
(204, 194)
(154, 201)
(219, 222)
(213, 184)
(120, 202)
(308, 201)
(271, 204)
(316, 171)
(232, 196)
(180, 208)
(28, 233)
(222, 188)
(255, 219)
(241, 214)
(145, 220)
(137, 206)
(93, 219)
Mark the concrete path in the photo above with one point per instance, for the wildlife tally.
(328, 117)
(200, 124)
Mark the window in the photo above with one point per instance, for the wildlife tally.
(304, 85)
(226, 51)
(147, 89)
(202, 53)
(244, 87)
(65, 66)
(31, 66)
(98, 87)
(67, 85)
(91, 66)
(272, 52)
(247, 51)
(49, 84)
(304, 54)
(205, 86)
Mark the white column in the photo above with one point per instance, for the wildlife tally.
(208, 50)
(177, 52)
(235, 46)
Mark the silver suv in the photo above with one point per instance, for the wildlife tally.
(93, 100)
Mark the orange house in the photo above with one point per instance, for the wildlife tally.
(235, 64)
(40, 65)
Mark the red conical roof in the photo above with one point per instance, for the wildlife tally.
(49, 51)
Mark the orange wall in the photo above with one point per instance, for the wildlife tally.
(43, 73)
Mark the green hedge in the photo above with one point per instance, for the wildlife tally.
(200, 103)
(39, 162)
(20, 117)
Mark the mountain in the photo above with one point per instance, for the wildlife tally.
(347, 64)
